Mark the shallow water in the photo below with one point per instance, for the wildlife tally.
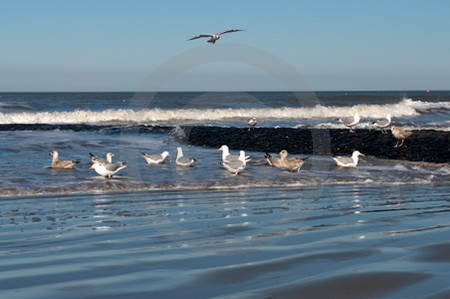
(376, 231)
(352, 241)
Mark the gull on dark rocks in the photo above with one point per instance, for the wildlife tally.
(350, 121)
(182, 160)
(291, 163)
(348, 161)
(97, 159)
(215, 37)
(107, 169)
(252, 122)
(383, 123)
(400, 134)
(62, 164)
(235, 166)
(155, 158)
(273, 161)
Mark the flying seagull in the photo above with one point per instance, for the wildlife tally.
(215, 37)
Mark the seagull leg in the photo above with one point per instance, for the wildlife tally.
(351, 130)
(401, 143)
(396, 145)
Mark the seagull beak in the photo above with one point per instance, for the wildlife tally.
(362, 155)
(91, 167)
(219, 149)
(392, 116)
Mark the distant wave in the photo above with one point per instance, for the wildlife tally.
(405, 108)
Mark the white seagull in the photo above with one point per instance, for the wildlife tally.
(350, 121)
(226, 156)
(215, 37)
(155, 158)
(348, 161)
(182, 160)
(383, 123)
(235, 166)
(107, 169)
(62, 164)
(97, 159)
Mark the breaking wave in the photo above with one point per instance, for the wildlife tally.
(405, 108)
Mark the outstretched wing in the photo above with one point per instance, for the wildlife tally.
(201, 35)
(230, 30)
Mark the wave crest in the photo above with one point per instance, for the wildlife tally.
(405, 108)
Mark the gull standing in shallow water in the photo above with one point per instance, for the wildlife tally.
(215, 37)
(273, 161)
(400, 134)
(348, 161)
(350, 121)
(62, 164)
(107, 169)
(155, 158)
(383, 123)
(182, 160)
(97, 159)
(235, 166)
(226, 156)
(291, 163)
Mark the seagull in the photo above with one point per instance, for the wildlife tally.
(97, 159)
(400, 134)
(107, 169)
(291, 163)
(348, 161)
(273, 161)
(215, 37)
(383, 123)
(235, 166)
(350, 121)
(182, 160)
(226, 156)
(252, 122)
(155, 158)
(62, 164)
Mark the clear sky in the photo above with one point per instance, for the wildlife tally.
(111, 45)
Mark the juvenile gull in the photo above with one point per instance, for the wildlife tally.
(235, 166)
(155, 158)
(291, 163)
(400, 134)
(348, 161)
(97, 159)
(62, 164)
(215, 37)
(383, 123)
(227, 156)
(273, 161)
(350, 121)
(182, 160)
(107, 169)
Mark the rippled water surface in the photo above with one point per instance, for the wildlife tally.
(352, 241)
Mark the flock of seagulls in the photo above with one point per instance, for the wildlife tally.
(233, 163)
(382, 124)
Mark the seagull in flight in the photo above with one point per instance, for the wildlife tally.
(215, 37)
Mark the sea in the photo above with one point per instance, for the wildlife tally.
(378, 230)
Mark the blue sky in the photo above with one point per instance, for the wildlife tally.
(109, 45)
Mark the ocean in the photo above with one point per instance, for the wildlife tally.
(379, 230)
